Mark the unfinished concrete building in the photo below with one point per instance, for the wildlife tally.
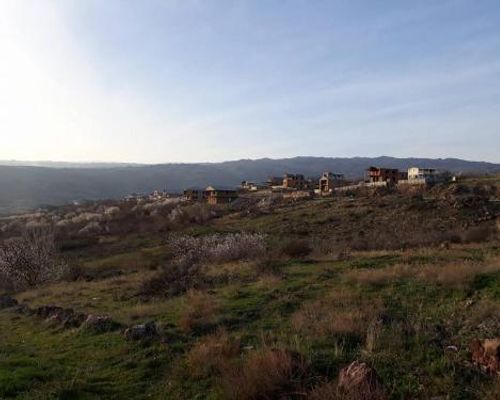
(220, 195)
(387, 175)
(329, 180)
(194, 194)
(295, 181)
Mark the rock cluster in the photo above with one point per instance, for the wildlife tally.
(67, 317)
(91, 323)
(99, 323)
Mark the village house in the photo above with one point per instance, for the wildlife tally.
(248, 186)
(220, 195)
(157, 195)
(329, 181)
(134, 197)
(295, 181)
(387, 175)
(424, 175)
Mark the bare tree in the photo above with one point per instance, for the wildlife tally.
(31, 259)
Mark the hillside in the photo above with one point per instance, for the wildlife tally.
(26, 187)
(265, 299)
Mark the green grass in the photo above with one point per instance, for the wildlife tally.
(420, 319)
(39, 361)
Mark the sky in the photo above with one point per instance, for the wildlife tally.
(157, 81)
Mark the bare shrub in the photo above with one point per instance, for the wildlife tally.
(340, 313)
(196, 213)
(6, 283)
(297, 248)
(199, 311)
(74, 272)
(265, 374)
(174, 279)
(32, 259)
(219, 248)
(213, 354)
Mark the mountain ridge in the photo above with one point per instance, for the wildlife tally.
(25, 187)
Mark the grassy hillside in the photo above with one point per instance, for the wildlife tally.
(400, 280)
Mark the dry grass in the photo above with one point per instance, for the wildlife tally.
(492, 392)
(324, 391)
(230, 271)
(199, 311)
(379, 276)
(265, 374)
(269, 281)
(484, 310)
(213, 354)
(454, 274)
(457, 274)
(142, 311)
(342, 312)
(72, 294)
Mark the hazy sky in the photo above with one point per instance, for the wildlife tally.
(208, 80)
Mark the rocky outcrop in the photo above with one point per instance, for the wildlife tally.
(48, 311)
(145, 331)
(361, 382)
(99, 324)
(67, 317)
(486, 354)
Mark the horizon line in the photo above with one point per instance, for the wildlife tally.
(32, 163)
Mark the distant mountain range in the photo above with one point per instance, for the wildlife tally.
(25, 187)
